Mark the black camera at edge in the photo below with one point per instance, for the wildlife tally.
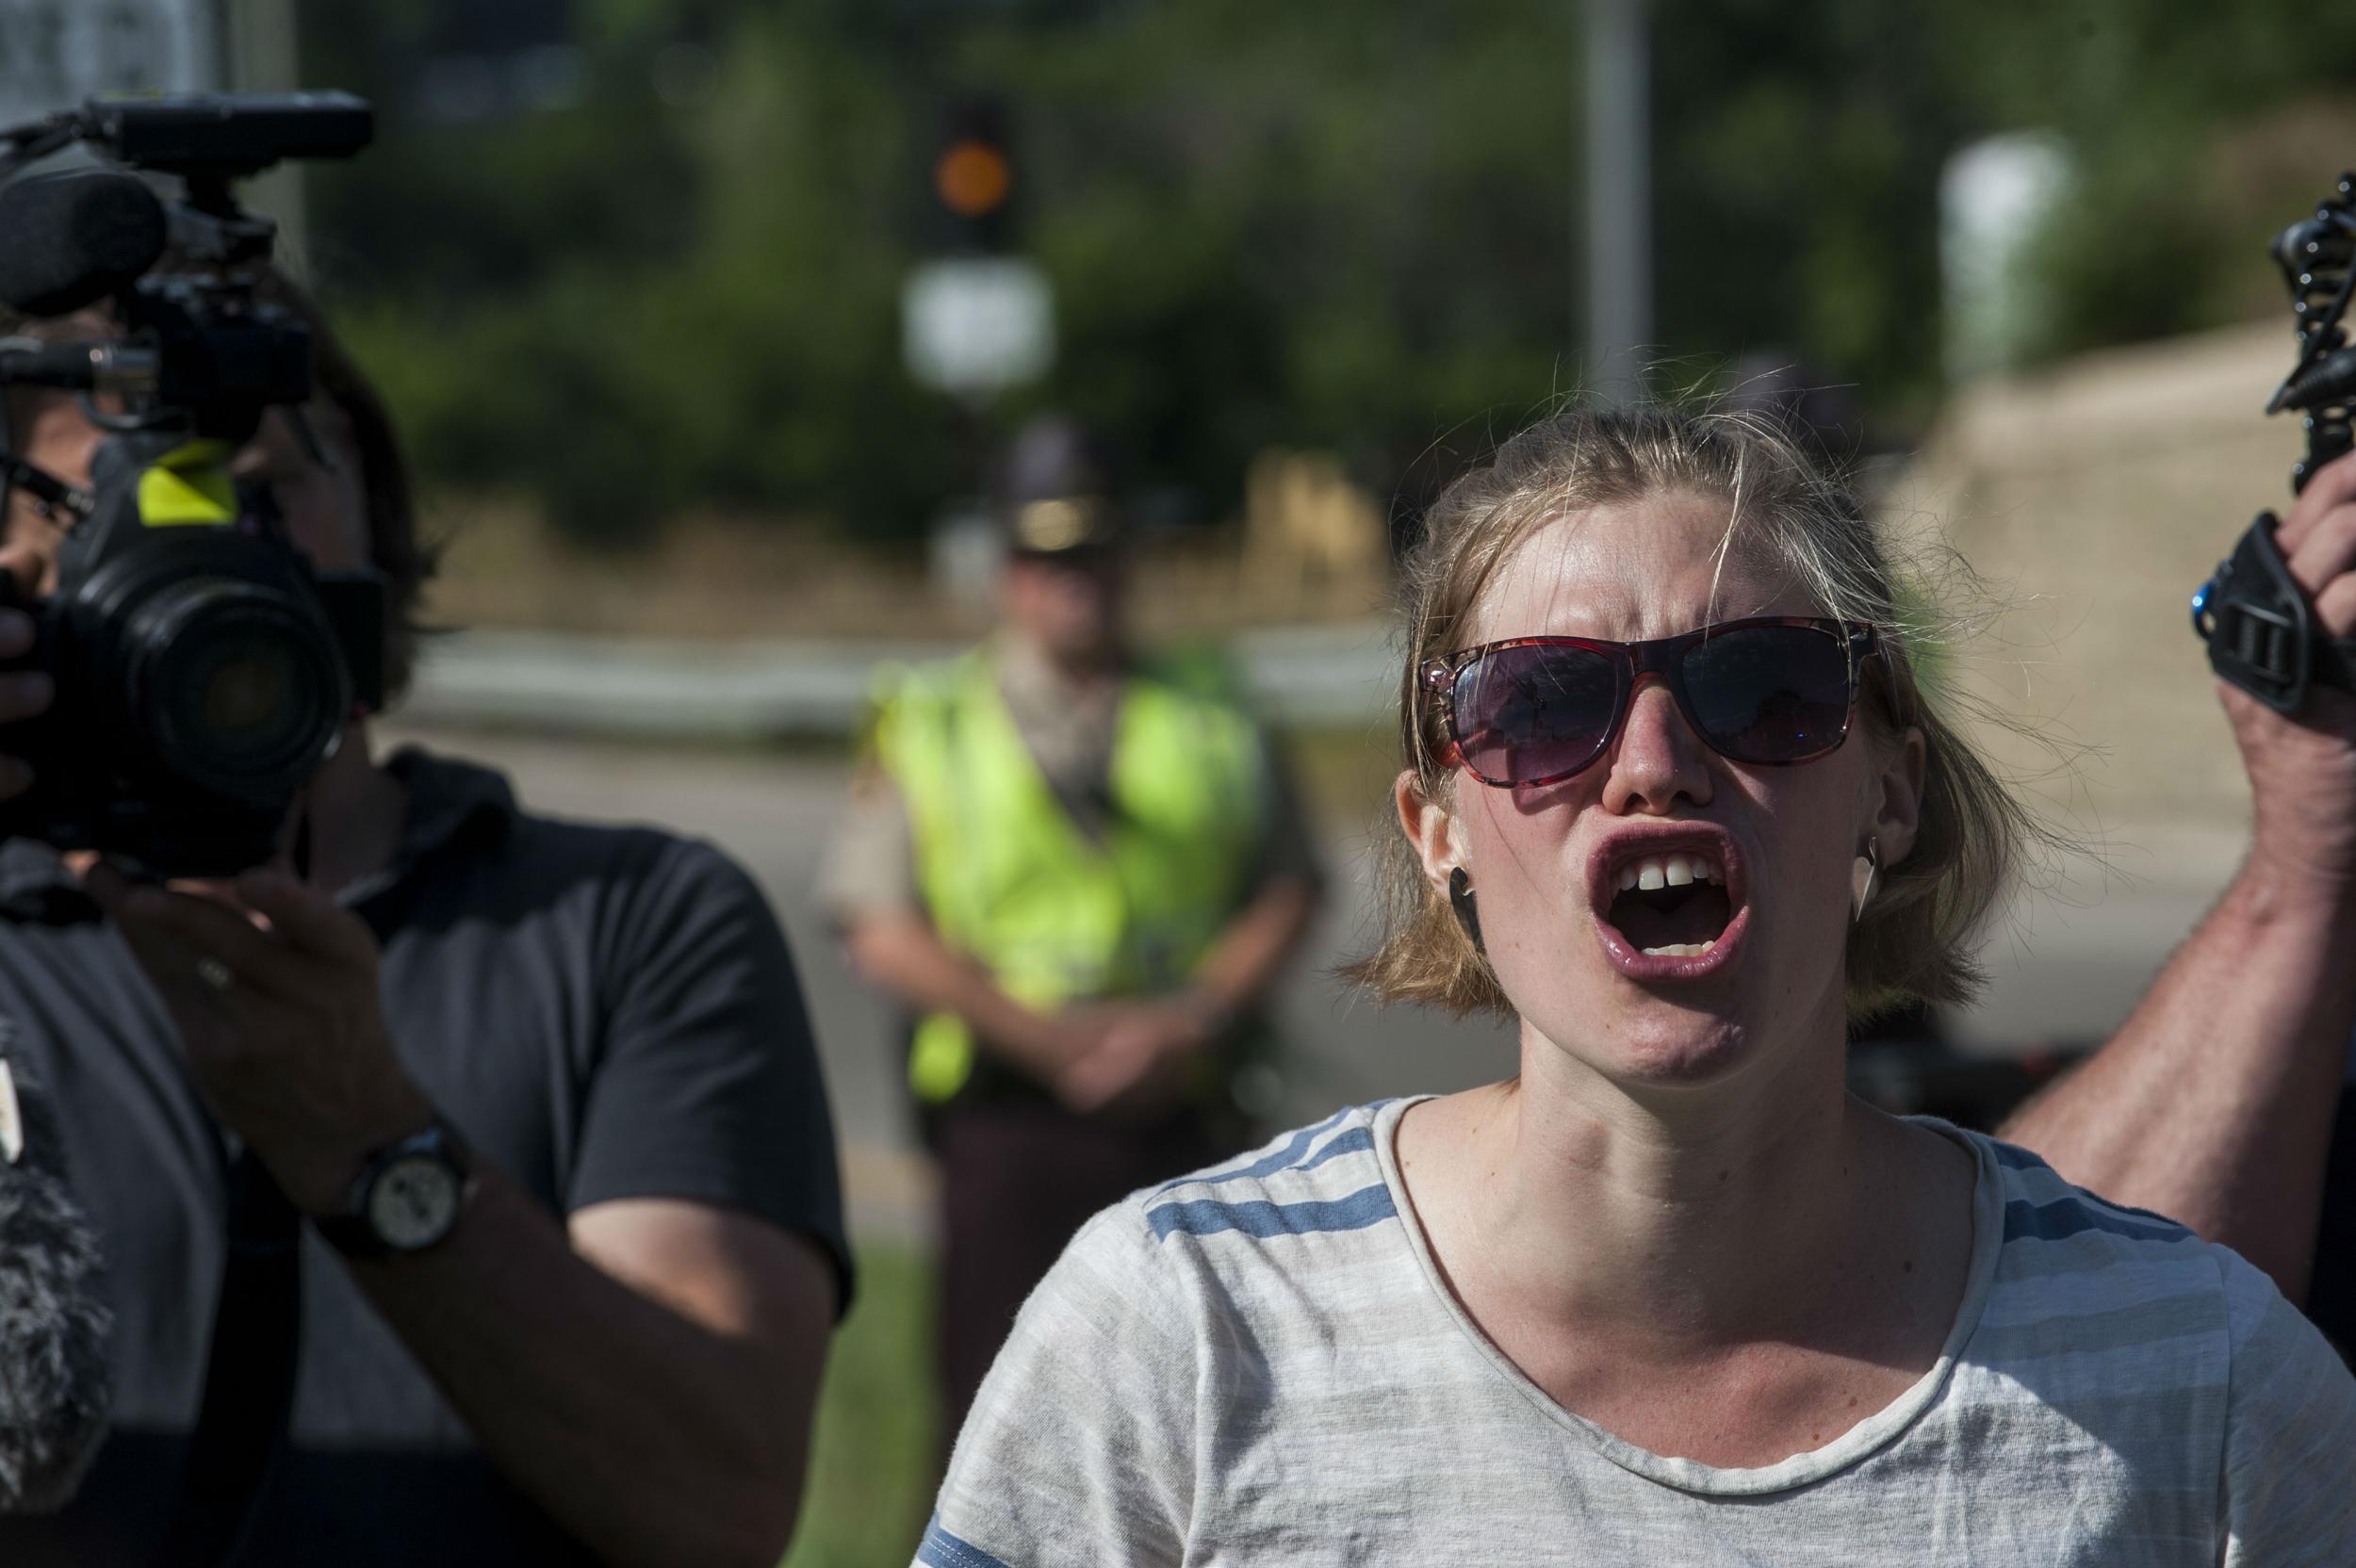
(204, 674)
(204, 671)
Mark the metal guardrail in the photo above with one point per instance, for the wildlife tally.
(661, 689)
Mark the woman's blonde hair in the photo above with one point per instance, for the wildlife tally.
(1914, 942)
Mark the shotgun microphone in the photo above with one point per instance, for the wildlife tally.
(74, 240)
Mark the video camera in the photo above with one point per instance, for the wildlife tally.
(2262, 633)
(203, 670)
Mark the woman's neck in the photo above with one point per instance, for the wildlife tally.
(1681, 1218)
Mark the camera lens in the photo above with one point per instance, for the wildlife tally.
(239, 690)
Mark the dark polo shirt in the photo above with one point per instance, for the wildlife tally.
(604, 1012)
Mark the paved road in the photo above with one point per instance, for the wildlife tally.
(2064, 968)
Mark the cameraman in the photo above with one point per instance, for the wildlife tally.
(610, 1347)
(2223, 1102)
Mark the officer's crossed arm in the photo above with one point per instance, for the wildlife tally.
(898, 950)
(1147, 1037)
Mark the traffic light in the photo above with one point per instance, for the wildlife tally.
(974, 178)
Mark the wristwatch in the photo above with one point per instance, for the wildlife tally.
(406, 1199)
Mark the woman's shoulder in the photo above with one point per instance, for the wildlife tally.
(2060, 1236)
(2073, 1267)
(1315, 1198)
(1325, 1178)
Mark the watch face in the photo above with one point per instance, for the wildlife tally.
(413, 1201)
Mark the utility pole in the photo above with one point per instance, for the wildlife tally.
(1619, 198)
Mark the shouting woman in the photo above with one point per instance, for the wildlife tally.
(1673, 800)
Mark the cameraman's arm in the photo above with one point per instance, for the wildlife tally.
(2214, 1103)
(647, 1375)
(647, 1378)
(648, 1371)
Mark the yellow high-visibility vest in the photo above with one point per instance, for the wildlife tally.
(1005, 874)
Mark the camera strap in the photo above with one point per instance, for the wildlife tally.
(249, 1375)
(2262, 634)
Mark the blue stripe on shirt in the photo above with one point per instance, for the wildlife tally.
(2022, 1159)
(1205, 1217)
(940, 1549)
(1358, 1140)
(2065, 1217)
(1267, 1165)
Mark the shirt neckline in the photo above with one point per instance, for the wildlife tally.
(1868, 1437)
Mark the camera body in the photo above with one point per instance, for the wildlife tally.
(203, 670)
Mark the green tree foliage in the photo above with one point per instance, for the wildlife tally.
(2198, 131)
(1320, 223)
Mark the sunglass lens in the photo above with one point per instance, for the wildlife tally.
(1538, 710)
(1770, 693)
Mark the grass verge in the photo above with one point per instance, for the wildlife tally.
(871, 1473)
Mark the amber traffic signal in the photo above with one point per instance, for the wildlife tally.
(974, 176)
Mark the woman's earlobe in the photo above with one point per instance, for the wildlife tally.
(1864, 871)
(1460, 899)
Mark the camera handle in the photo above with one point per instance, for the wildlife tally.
(2262, 634)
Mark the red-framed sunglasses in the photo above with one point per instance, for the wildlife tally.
(1773, 690)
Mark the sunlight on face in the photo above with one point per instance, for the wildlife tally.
(1546, 860)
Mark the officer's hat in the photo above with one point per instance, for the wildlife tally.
(1055, 493)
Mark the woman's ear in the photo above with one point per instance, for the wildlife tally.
(1430, 828)
(1898, 798)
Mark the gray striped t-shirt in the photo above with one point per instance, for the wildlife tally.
(1260, 1365)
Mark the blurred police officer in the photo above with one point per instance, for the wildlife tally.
(1080, 867)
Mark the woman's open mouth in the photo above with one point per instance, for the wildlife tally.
(1670, 902)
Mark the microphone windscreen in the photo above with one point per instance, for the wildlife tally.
(69, 240)
(54, 1321)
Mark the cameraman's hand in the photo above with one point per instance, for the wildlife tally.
(292, 1054)
(24, 694)
(2302, 771)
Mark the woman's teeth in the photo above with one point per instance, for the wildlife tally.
(1669, 871)
(1681, 950)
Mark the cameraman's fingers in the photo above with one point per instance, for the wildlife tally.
(2335, 607)
(306, 918)
(209, 928)
(170, 967)
(2328, 550)
(25, 567)
(168, 932)
(2333, 485)
(24, 694)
